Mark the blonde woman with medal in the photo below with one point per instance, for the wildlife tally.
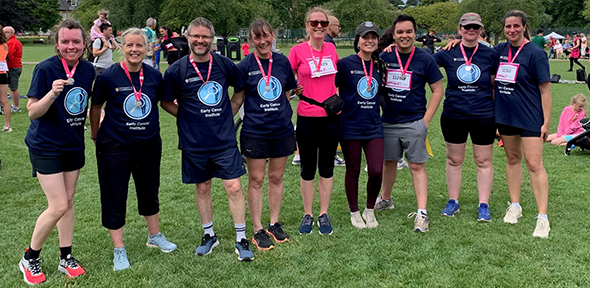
(358, 82)
(314, 62)
(468, 109)
(128, 143)
(58, 99)
(407, 114)
(523, 112)
(263, 85)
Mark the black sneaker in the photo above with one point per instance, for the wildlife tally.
(324, 224)
(262, 240)
(276, 231)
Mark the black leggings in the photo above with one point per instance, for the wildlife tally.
(575, 60)
(352, 150)
(317, 138)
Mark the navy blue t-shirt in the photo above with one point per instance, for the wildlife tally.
(61, 129)
(469, 92)
(360, 116)
(267, 113)
(519, 104)
(401, 106)
(205, 119)
(124, 121)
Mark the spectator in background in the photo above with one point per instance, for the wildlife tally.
(150, 24)
(428, 41)
(575, 52)
(558, 48)
(552, 42)
(4, 83)
(569, 121)
(102, 49)
(103, 15)
(15, 66)
(540, 40)
(333, 29)
(245, 48)
(584, 46)
(483, 39)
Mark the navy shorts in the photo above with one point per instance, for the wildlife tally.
(258, 148)
(455, 131)
(200, 167)
(506, 130)
(52, 164)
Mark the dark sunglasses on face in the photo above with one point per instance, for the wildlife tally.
(315, 23)
(472, 26)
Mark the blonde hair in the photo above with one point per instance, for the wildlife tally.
(314, 10)
(103, 12)
(579, 98)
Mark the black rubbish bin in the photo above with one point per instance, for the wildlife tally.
(220, 45)
(233, 48)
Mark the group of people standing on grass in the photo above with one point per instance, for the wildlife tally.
(505, 88)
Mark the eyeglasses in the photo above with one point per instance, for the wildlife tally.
(204, 37)
(471, 26)
(315, 23)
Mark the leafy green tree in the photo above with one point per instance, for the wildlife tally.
(442, 16)
(29, 15)
(430, 2)
(86, 12)
(347, 12)
(410, 3)
(567, 13)
(46, 11)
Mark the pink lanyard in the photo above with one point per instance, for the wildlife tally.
(369, 76)
(266, 79)
(399, 60)
(510, 59)
(197, 69)
(137, 93)
(69, 74)
(468, 61)
(317, 64)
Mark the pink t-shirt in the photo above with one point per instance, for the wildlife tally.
(569, 122)
(319, 88)
(245, 49)
(95, 30)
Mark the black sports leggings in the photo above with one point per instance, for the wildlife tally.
(575, 60)
(317, 138)
(352, 150)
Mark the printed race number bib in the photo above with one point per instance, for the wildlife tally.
(507, 72)
(398, 81)
(3, 66)
(327, 68)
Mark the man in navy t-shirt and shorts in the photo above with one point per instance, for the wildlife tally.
(206, 131)
(406, 116)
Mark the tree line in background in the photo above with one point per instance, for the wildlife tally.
(229, 16)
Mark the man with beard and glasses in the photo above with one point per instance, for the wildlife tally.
(207, 138)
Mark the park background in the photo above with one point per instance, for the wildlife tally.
(457, 252)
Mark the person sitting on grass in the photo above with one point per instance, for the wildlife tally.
(569, 125)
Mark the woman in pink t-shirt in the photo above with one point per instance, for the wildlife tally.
(569, 121)
(314, 63)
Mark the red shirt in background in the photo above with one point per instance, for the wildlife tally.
(245, 49)
(15, 53)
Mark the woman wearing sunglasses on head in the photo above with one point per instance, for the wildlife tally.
(468, 109)
(58, 98)
(314, 62)
(358, 80)
(128, 143)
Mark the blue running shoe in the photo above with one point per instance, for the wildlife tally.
(306, 224)
(484, 213)
(324, 223)
(159, 241)
(451, 208)
(243, 250)
(207, 245)
(120, 261)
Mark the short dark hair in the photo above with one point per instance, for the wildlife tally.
(403, 18)
(103, 27)
(539, 31)
(69, 24)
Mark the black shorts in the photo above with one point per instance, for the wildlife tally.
(4, 79)
(52, 164)
(455, 131)
(258, 148)
(513, 131)
(116, 163)
(200, 167)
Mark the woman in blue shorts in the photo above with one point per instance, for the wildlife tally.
(128, 142)
(58, 98)
(263, 85)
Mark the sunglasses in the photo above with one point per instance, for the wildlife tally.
(471, 26)
(315, 23)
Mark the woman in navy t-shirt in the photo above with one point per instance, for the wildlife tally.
(128, 142)
(523, 113)
(469, 110)
(358, 80)
(58, 98)
(263, 85)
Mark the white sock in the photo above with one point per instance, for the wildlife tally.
(208, 227)
(240, 231)
(517, 205)
(456, 201)
(423, 211)
(542, 216)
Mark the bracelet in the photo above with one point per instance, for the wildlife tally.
(53, 96)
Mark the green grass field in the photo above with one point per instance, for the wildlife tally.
(457, 252)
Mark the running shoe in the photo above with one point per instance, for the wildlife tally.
(160, 241)
(276, 231)
(207, 245)
(324, 224)
(243, 250)
(32, 273)
(369, 216)
(120, 261)
(338, 161)
(381, 204)
(484, 213)
(15, 109)
(357, 220)
(296, 160)
(6, 129)
(306, 224)
(512, 214)
(70, 267)
(542, 229)
(421, 223)
(262, 240)
(401, 164)
(451, 208)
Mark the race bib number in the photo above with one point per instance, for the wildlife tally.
(327, 68)
(507, 72)
(3, 66)
(398, 81)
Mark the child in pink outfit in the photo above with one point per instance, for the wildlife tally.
(569, 125)
(103, 15)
